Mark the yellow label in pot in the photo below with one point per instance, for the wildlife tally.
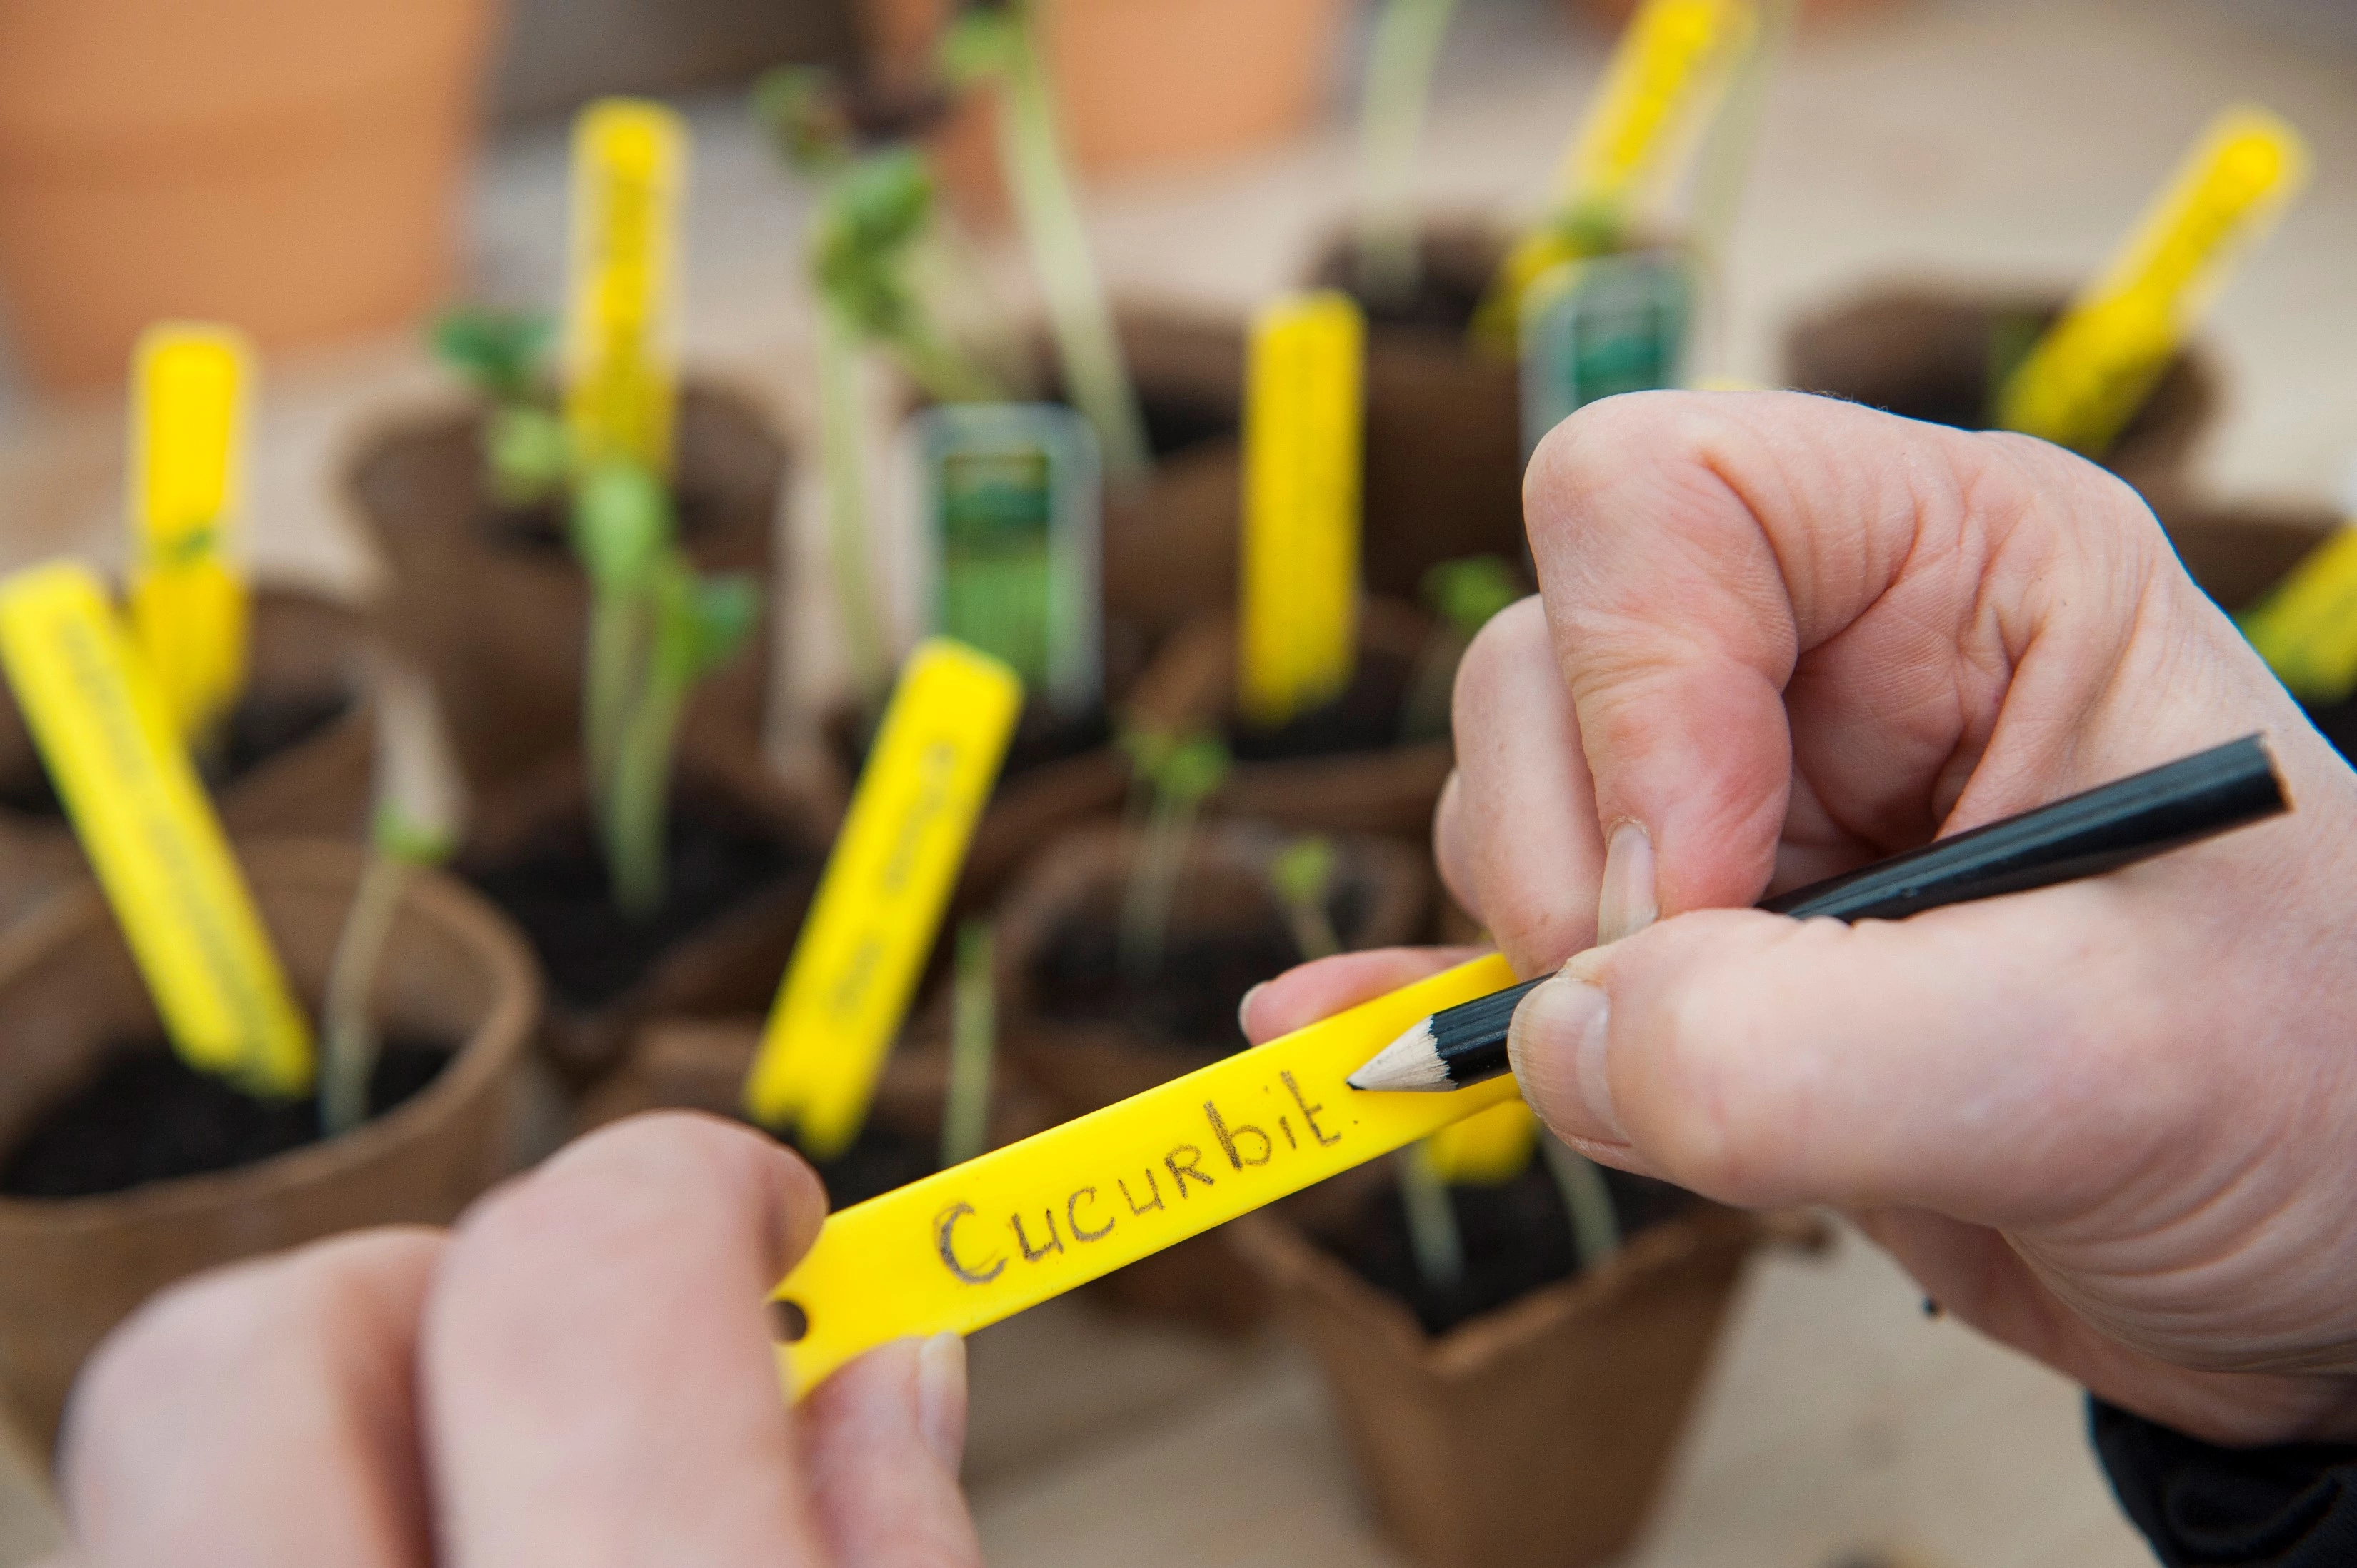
(1482, 1151)
(1665, 79)
(2306, 629)
(984, 1239)
(2086, 377)
(189, 388)
(1299, 617)
(879, 904)
(126, 777)
(629, 169)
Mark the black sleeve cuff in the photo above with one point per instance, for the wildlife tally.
(2288, 1506)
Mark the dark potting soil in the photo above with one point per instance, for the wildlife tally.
(148, 1116)
(881, 1158)
(1517, 1237)
(1365, 718)
(2339, 723)
(1444, 301)
(556, 887)
(542, 528)
(1190, 1003)
(260, 728)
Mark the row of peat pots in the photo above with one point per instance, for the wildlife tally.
(121, 1171)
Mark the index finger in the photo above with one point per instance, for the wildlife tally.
(596, 1368)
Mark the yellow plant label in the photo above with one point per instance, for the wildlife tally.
(190, 388)
(1485, 1150)
(2306, 629)
(629, 169)
(982, 1241)
(879, 904)
(2085, 379)
(1299, 618)
(126, 777)
(1664, 80)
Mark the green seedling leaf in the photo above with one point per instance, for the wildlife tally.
(1194, 769)
(871, 216)
(723, 610)
(801, 109)
(1465, 593)
(529, 453)
(981, 45)
(1303, 871)
(621, 522)
(502, 352)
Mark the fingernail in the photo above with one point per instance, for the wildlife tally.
(1626, 904)
(1244, 1008)
(1556, 1044)
(940, 1398)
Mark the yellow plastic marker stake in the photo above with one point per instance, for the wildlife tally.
(982, 1241)
(2306, 629)
(2086, 377)
(1665, 79)
(1298, 623)
(190, 388)
(879, 904)
(149, 832)
(629, 168)
(1482, 1151)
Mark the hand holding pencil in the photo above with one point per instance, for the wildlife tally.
(1782, 638)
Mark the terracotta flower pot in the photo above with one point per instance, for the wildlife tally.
(1084, 1038)
(289, 166)
(1151, 84)
(71, 1268)
(1930, 352)
(1444, 422)
(299, 759)
(1533, 1435)
(699, 1064)
(746, 849)
(1379, 788)
(487, 601)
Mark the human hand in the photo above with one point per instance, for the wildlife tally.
(578, 1374)
(1780, 637)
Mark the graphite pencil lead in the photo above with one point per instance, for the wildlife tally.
(1409, 1063)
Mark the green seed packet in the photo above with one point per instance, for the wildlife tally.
(1009, 495)
(1606, 325)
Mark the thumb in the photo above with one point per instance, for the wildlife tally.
(1931, 1063)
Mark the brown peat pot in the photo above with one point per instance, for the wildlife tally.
(1535, 1433)
(745, 849)
(699, 1064)
(1339, 769)
(76, 1024)
(1933, 352)
(1084, 1037)
(297, 759)
(1444, 422)
(488, 601)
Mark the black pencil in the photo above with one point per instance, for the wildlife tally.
(2084, 835)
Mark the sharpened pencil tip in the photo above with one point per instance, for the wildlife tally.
(1407, 1063)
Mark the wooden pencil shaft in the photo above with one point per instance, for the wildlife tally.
(2101, 830)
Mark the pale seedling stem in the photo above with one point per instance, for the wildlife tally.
(1405, 48)
(974, 1038)
(1303, 876)
(1432, 1231)
(842, 459)
(1183, 774)
(1594, 1232)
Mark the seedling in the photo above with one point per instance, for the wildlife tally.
(1303, 876)
(1406, 47)
(1594, 1229)
(996, 45)
(1463, 595)
(655, 629)
(1432, 1231)
(418, 811)
(504, 356)
(974, 1038)
(1178, 773)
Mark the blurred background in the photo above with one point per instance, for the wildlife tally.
(2009, 140)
